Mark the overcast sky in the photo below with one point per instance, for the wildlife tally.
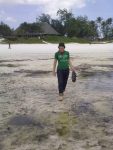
(14, 12)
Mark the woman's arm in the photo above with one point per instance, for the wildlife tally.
(54, 67)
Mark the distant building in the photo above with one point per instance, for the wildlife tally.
(46, 29)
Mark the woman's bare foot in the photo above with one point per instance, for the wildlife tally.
(61, 97)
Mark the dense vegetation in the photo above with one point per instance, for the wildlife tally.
(67, 25)
(5, 30)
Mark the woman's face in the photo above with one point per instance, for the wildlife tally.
(61, 49)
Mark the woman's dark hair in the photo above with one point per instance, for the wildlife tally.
(61, 44)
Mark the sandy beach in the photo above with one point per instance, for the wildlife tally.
(32, 118)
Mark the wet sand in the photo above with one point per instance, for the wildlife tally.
(32, 118)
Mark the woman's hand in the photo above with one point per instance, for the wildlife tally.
(74, 68)
(71, 66)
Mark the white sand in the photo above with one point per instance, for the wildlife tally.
(51, 48)
(24, 92)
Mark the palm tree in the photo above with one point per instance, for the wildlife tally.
(109, 27)
(99, 26)
(109, 21)
(104, 28)
(99, 19)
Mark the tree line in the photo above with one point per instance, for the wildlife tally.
(67, 25)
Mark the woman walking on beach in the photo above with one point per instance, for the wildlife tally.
(63, 58)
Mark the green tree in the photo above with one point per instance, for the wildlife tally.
(57, 25)
(99, 26)
(5, 30)
(28, 28)
(109, 27)
(44, 18)
(64, 17)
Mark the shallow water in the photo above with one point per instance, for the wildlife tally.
(31, 117)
